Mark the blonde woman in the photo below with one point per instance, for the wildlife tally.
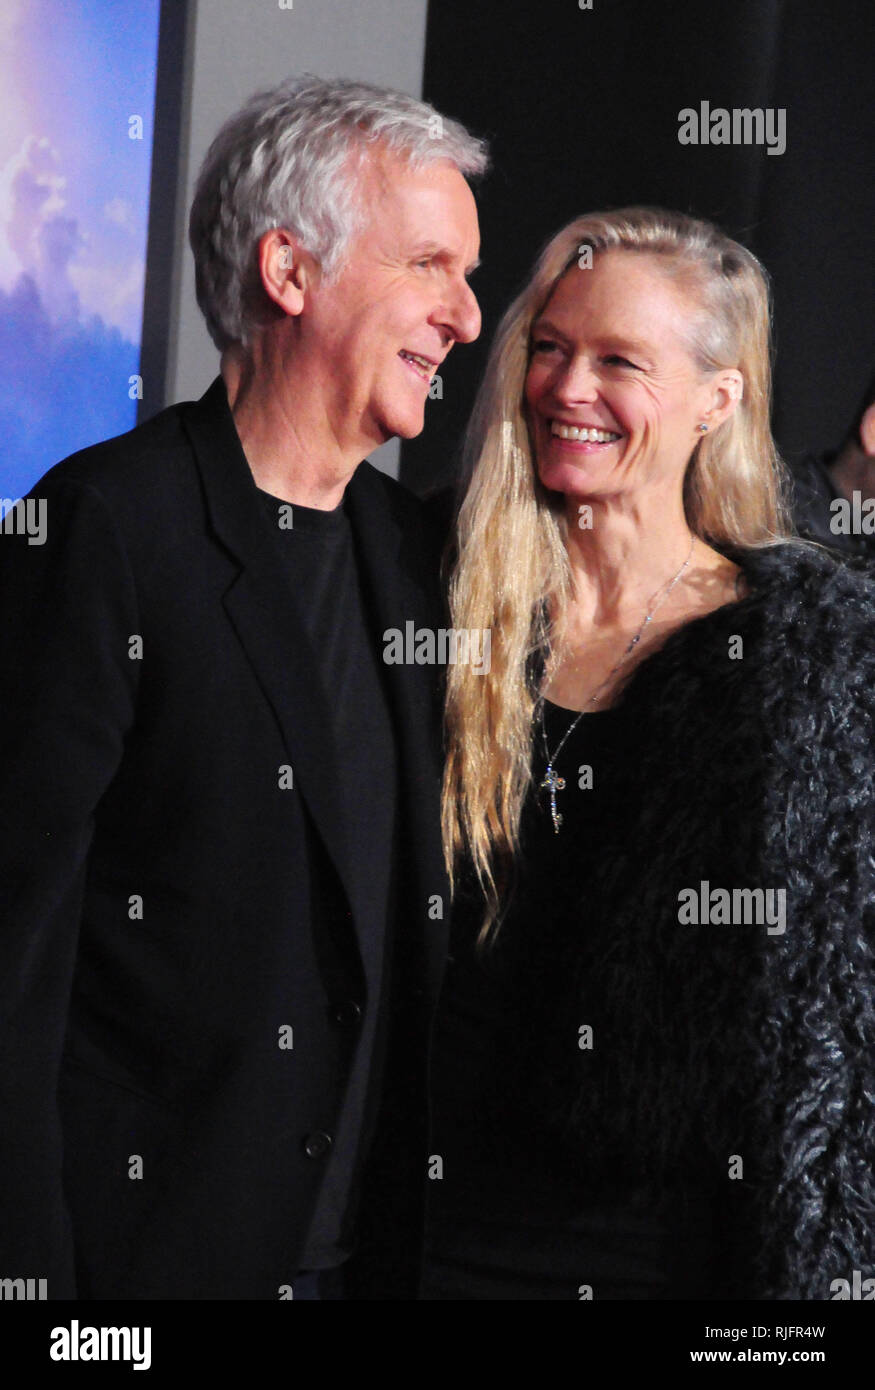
(654, 1060)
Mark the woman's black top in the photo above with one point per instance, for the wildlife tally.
(513, 1216)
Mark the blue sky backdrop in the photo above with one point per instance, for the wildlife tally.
(74, 208)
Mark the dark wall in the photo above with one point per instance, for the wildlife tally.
(582, 108)
(175, 33)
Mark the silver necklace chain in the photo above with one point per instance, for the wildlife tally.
(552, 783)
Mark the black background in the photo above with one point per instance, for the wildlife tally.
(581, 109)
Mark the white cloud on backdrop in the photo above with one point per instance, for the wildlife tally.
(65, 367)
(52, 247)
(73, 211)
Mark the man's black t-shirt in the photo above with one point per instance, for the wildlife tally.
(319, 553)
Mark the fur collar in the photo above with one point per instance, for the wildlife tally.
(725, 1042)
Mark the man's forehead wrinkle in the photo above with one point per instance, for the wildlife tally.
(386, 168)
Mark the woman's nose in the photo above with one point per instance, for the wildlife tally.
(576, 382)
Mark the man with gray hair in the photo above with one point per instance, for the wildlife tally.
(220, 872)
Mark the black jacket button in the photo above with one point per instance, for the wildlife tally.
(346, 1013)
(317, 1144)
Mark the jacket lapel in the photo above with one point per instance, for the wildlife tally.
(401, 583)
(262, 609)
(400, 574)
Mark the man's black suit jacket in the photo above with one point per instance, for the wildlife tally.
(158, 880)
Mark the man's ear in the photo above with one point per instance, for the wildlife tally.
(867, 431)
(286, 269)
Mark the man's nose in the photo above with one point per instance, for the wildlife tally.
(462, 314)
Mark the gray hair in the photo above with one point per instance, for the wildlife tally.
(291, 157)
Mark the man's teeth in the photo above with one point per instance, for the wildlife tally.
(586, 436)
(422, 362)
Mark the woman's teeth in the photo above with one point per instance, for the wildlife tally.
(422, 364)
(586, 436)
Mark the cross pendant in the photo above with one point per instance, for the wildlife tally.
(553, 784)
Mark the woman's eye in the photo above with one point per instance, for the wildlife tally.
(543, 345)
(615, 358)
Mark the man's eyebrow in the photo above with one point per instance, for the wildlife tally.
(434, 248)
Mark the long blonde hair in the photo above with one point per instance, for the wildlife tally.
(512, 568)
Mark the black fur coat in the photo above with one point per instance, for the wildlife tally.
(718, 1043)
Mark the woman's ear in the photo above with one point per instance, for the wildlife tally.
(727, 389)
(285, 269)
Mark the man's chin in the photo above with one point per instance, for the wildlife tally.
(406, 427)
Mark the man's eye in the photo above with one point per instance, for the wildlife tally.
(429, 260)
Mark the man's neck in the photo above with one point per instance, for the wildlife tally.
(288, 445)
